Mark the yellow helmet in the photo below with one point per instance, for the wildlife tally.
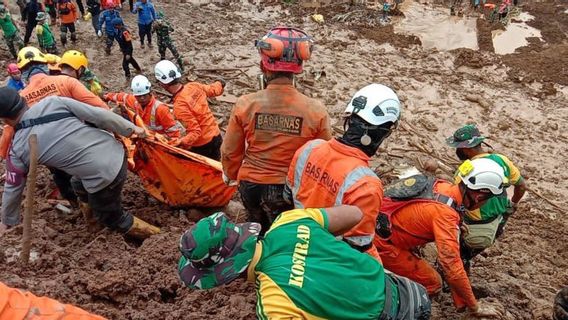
(74, 59)
(30, 54)
(53, 62)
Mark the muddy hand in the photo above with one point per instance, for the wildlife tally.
(486, 310)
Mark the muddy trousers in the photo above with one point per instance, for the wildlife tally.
(30, 26)
(264, 202)
(145, 30)
(211, 149)
(63, 182)
(19, 305)
(106, 203)
(413, 302)
(14, 43)
(67, 27)
(95, 22)
(165, 43)
(108, 41)
(127, 60)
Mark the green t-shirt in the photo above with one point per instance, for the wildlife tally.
(8, 26)
(303, 271)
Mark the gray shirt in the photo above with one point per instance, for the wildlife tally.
(89, 153)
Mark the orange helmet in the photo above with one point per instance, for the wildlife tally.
(284, 49)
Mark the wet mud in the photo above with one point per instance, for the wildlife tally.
(519, 100)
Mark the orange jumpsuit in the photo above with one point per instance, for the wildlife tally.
(19, 305)
(41, 86)
(192, 110)
(417, 224)
(156, 115)
(265, 130)
(329, 173)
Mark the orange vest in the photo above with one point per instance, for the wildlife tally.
(330, 173)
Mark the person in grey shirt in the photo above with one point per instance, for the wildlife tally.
(72, 137)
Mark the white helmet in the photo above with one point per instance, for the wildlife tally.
(166, 71)
(140, 85)
(483, 173)
(376, 104)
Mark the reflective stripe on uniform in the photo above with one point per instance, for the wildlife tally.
(153, 125)
(352, 178)
(299, 169)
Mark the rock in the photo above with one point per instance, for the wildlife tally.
(479, 100)
(430, 165)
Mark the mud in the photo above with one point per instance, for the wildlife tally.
(519, 100)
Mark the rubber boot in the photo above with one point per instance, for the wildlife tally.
(141, 229)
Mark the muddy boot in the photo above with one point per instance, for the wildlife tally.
(90, 220)
(141, 229)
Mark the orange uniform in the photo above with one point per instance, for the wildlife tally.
(265, 130)
(19, 305)
(71, 15)
(418, 223)
(192, 110)
(41, 86)
(329, 173)
(156, 115)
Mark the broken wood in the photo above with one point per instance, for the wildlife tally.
(29, 204)
(162, 92)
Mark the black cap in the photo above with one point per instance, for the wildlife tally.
(10, 103)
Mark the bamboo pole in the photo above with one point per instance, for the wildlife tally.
(29, 204)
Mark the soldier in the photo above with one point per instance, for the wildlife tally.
(45, 36)
(162, 28)
(11, 34)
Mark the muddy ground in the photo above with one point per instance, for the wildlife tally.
(519, 100)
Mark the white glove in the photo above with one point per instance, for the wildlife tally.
(229, 182)
(99, 33)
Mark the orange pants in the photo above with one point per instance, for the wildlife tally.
(19, 305)
(407, 264)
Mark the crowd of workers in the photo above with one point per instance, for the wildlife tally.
(317, 213)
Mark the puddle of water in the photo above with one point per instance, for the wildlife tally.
(515, 36)
(436, 28)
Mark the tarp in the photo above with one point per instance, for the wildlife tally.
(177, 177)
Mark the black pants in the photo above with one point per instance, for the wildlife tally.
(81, 7)
(63, 182)
(145, 30)
(264, 202)
(106, 203)
(30, 25)
(109, 41)
(211, 149)
(51, 8)
(68, 27)
(127, 60)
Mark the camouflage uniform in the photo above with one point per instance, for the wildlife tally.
(162, 29)
(11, 34)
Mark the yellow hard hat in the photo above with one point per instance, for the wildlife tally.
(74, 59)
(30, 54)
(53, 62)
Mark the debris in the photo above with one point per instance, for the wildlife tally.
(29, 204)
(318, 18)
(479, 100)
(63, 209)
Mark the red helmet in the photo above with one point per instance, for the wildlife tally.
(12, 68)
(109, 4)
(284, 49)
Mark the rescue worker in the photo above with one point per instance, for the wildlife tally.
(94, 8)
(146, 16)
(67, 143)
(105, 19)
(45, 37)
(50, 8)
(14, 77)
(10, 31)
(29, 15)
(421, 209)
(327, 173)
(560, 307)
(124, 39)
(191, 108)
(486, 223)
(162, 28)
(155, 114)
(33, 64)
(267, 127)
(67, 14)
(301, 271)
(21, 305)
(75, 64)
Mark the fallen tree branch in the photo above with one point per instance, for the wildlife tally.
(29, 207)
